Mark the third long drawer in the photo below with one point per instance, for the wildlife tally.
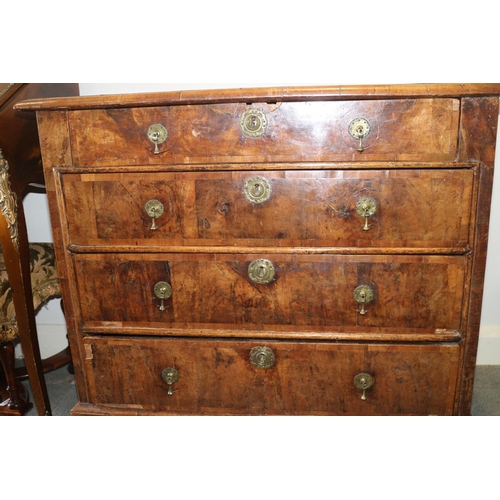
(308, 292)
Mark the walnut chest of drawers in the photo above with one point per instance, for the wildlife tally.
(281, 251)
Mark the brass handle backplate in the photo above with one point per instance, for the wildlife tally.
(157, 134)
(360, 129)
(170, 376)
(363, 381)
(367, 207)
(262, 357)
(257, 190)
(363, 295)
(253, 123)
(154, 209)
(261, 271)
(163, 291)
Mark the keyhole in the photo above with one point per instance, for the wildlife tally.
(254, 123)
(257, 190)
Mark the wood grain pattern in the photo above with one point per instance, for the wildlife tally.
(276, 94)
(479, 128)
(308, 291)
(425, 129)
(428, 163)
(308, 378)
(56, 152)
(415, 208)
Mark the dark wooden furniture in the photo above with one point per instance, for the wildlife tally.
(20, 169)
(281, 251)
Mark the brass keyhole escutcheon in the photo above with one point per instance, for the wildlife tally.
(363, 381)
(257, 190)
(253, 123)
(154, 209)
(261, 271)
(170, 376)
(363, 295)
(162, 291)
(262, 357)
(157, 134)
(360, 129)
(366, 208)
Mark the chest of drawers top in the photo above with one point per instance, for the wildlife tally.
(385, 123)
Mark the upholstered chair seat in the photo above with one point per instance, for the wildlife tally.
(44, 282)
(14, 398)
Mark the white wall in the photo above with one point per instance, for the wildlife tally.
(489, 341)
(51, 321)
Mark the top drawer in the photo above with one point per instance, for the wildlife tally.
(406, 129)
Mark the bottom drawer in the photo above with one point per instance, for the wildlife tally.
(131, 375)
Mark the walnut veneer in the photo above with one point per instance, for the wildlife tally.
(282, 251)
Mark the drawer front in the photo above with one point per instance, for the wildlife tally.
(391, 208)
(230, 377)
(282, 292)
(407, 129)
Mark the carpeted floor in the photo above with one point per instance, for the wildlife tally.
(486, 398)
(486, 401)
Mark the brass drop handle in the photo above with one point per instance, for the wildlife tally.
(157, 134)
(366, 207)
(360, 129)
(262, 357)
(154, 209)
(163, 291)
(363, 295)
(363, 381)
(170, 376)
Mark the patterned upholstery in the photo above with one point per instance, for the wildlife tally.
(44, 281)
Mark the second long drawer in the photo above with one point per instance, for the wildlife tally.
(416, 208)
(283, 292)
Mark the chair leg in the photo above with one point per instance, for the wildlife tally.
(18, 403)
(15, 250)
(34, 367)
(71, 366)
